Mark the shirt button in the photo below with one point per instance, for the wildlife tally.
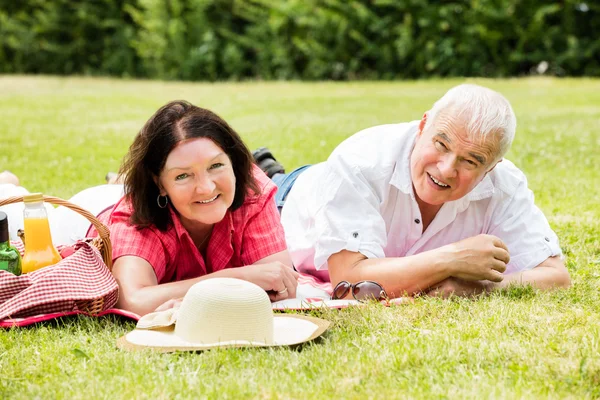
(417, 221)
(546, 239)
(355, 235)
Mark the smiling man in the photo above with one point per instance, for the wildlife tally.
(428, 206)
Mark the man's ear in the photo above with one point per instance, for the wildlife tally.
(494, 166)
(422, 124)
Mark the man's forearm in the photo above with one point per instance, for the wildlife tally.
(550, 274)
(398, 275)
(476, 258)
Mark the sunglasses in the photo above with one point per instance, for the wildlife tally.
(361, 291)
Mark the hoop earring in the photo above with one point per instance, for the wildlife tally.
(162, 205)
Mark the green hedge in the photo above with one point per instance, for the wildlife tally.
(299, 39)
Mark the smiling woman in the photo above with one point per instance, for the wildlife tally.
(193, 206)
(199, 181)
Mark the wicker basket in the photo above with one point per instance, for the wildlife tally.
(102, 242)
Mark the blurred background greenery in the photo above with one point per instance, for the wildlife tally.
(300, 39)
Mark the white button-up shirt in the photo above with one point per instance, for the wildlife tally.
(362, 200)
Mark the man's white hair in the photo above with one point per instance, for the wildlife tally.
(486, 112)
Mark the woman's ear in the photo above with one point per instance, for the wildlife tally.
(161, 190)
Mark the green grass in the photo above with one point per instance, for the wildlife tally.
(62, 135)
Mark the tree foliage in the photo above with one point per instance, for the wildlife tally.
(299, 39)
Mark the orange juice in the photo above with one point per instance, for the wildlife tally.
(39, 250)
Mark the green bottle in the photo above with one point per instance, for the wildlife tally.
(10, 259)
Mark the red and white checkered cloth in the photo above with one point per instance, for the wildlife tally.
(70, 285)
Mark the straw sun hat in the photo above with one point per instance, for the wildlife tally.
(221, 312)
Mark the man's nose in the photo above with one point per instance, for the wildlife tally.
(447, 166)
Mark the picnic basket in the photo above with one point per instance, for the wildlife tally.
(102, 289)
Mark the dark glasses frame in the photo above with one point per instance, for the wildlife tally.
(369, 288)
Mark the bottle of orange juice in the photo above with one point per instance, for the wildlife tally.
(39, 250)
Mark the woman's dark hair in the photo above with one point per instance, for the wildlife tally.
(171, 124)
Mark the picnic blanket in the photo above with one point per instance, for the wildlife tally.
(311, 293)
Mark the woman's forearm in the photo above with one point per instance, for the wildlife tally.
(145, 300)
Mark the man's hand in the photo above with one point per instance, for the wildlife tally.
(481, 257)
(458, 287)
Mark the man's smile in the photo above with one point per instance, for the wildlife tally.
(438, 182)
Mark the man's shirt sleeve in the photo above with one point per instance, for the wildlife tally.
(525, 230)
(336, 205)
(349, 218)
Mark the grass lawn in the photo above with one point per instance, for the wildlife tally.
(62, 135)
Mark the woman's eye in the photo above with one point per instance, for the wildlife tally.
(181, 176)
(216, 165)
(472, 163)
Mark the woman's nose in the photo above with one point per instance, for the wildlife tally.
(204, 184)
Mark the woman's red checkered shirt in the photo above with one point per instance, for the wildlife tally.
(244, 236)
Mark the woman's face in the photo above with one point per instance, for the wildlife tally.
(198, 178)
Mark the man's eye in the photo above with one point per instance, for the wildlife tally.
(216, 165)
(440, 145)
(181, 176)
(472, 163)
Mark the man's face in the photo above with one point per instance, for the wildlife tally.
(445, 163)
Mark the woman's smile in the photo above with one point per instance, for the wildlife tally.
(208, 201)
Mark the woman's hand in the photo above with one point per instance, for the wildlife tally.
(276, 278)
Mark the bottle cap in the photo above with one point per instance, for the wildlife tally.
(33, 198)
(3, 227)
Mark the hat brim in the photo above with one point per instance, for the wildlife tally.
(288, 330)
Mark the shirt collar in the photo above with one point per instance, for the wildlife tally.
(484, 189)
(179, 229)
(401, 177)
